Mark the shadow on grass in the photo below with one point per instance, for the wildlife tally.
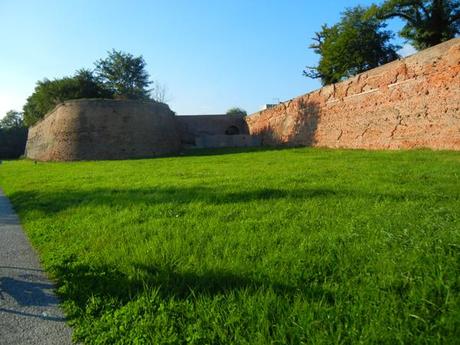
(81, 282)
(51, 202)
(231, 150)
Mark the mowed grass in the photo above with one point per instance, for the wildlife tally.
(296, 246)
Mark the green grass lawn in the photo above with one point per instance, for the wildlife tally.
(296, 246)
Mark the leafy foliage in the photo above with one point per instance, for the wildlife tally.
(12, 119)
(13, 135)
(120, 75)
(354, 45)
(428, 22)
(49, 93)
(124, 75)
(236, 111)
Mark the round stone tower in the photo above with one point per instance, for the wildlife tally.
(94, 129)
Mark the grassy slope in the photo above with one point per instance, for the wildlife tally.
(272, 247)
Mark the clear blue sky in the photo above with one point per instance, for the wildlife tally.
(211, 54)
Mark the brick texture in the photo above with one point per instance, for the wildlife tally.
(409, 103)
(104, 129)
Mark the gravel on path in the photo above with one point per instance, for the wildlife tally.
(29, 309)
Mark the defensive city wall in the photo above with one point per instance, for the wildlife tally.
(409, 103)
(92, 129)
(103, 129)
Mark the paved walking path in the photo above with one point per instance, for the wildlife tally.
(29, 311)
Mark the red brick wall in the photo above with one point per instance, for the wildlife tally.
(409, 103)
(91, 129)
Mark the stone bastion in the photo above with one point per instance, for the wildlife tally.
(91, 129)
(94, 129)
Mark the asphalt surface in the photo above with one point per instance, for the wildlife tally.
(29, 310)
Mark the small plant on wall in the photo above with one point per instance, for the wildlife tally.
(236, 111)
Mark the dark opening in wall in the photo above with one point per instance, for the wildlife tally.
(232, 130)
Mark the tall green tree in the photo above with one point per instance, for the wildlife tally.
(354, 45)
(12, 119)
(48, 93)
(13, 135)
(124, 75)
(428, 22)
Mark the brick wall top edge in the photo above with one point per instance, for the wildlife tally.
(82, 101)
(435, 51)
(205, 116)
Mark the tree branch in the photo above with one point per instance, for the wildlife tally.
(402, 15)
(424, 9)
(312, 72)
(454, 17)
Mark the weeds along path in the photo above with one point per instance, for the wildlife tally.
(29, 311)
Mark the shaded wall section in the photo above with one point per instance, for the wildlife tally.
(104, 129)
(213, 131)
(409, 103)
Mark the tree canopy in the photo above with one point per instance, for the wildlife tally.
(48, 93)
(428, 22)
(13, 135)
(124, 75)
(119, 76)
(354, 45)
(12, 119)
